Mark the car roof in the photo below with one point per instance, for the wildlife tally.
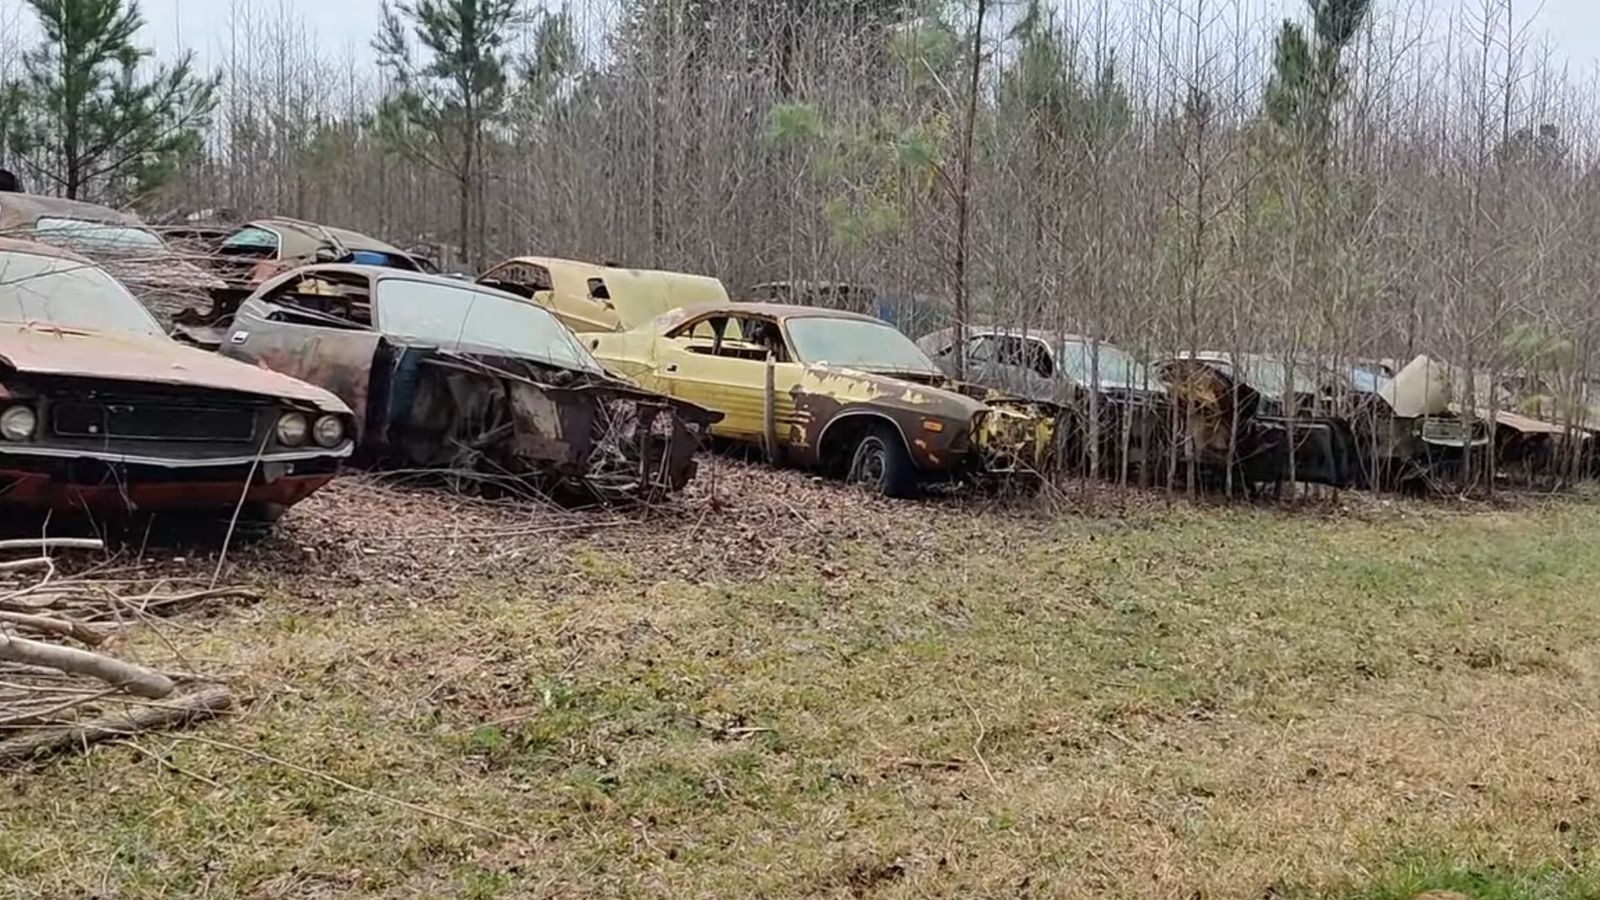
(776, 310)
(387, 273)
(13, 245)
(25, 209)
(318, 233)
(1053, 338)
(579, 266)
(637, 296)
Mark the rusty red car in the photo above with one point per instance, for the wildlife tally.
(101, 412)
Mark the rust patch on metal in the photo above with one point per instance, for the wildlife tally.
(506, 418)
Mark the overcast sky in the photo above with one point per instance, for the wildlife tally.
(1571, 27)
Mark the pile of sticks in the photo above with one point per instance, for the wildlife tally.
(60, 686)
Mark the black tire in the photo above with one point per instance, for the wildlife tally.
(880, 461)
(262, 513)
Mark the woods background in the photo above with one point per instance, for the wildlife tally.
(1166, 174)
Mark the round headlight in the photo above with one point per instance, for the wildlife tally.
(328, 431)
(292, 429)
(17, 423)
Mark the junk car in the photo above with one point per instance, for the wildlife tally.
(102, 412)
(1535, 437)
(163, 277)
(834, 391)
(1294, 403)
(450, 376)
(1108, 399)
(594, 298)
(1406, 432)
(246, 257)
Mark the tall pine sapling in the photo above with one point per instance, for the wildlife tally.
(443, 104)
(83, 121)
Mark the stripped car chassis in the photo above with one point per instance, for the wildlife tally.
(511, 425)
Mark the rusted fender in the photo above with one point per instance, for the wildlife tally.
(943, 429)
(340, 362)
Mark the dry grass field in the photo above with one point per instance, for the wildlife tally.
(783, 688)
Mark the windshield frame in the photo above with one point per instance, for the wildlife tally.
(795, 347)
(53, 266)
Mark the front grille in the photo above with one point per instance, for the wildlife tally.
(1445, 431)
(152, 421)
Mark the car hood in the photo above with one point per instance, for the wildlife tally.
(861, 386)
(1420, 389)
(43, 350)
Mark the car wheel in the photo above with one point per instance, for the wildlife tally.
(262, 513)
(880, 461)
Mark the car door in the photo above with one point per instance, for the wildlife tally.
(311, 327)
(712, 361)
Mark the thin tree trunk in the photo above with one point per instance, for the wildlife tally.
(964, 192)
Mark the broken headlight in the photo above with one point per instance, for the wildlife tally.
(328, 431)
(292, 429)
(17, 423)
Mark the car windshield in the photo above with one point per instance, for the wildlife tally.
(251, 241)
(68, 294)
(1367, 380)
(98, 237)
(857, 344)
(464, 318)
(1271, 376)
(1078, 360)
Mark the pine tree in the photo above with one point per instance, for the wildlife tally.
(444, 105)
(1308, 78)
(83, 121)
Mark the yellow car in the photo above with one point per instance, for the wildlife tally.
(830, 390)
(587, 297)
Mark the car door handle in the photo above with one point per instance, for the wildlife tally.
(672, 367)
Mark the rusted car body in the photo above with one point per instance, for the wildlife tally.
(594, 298)
(1111, 403)
(833, 391)
(1535, 436)
(100, 412)
(1406, 431)
(449, 376)
(163, 277)
(1290, 411)
(246, 257)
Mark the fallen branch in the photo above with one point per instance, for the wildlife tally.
(43, 544)
(69, 628)
(977, 744)
(182, 711)
(42, 714)
(136, 679)
(146, 604)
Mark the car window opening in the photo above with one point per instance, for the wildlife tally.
(519, 279)
(324, 300)
(736, 337)
(1026, 353)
